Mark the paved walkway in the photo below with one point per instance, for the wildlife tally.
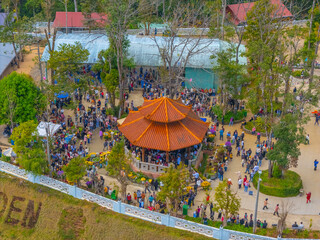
(311, 180)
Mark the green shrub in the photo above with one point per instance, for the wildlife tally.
(259, 124)
(238, 115)
(296, 73)
(276, 172)
(203, 166)
(288, 186)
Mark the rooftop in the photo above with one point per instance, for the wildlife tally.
(144, 50)
(164, 128)
(76, 19)
(239, 11)
(6, 56)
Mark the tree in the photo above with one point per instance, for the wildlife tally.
(226, 201)
(120, 14)
(285, 208)
(87, 8)
(289, 136)
(20, 99)
(231, 75)
(175, 181)
(66, 62)
(175, 51)
(29, 149)
(147, 14)
(75, 170)
(15, 31)
(107, 65)
(119, 166)
(48, 7)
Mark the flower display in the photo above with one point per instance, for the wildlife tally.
(206, 185)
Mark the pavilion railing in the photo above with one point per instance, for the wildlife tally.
(126, 209)
(145, 166)
(193, 161)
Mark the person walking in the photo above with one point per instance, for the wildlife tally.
(231, 121)
(221, 134)
(276, 210)
(308, 197)
(315, 163)
(307, 139)
(265, 204)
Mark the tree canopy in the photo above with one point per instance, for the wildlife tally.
(20, 99)
(75, 169)
(175, 181)
(226, 201)
(29, 148)
(119, 166)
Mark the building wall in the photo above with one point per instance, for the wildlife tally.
(201, 78)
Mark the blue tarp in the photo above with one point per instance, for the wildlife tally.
(68, 138)
(62, 94)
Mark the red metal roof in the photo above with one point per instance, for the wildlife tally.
(142, 131)
(76, 19)
(239, 11)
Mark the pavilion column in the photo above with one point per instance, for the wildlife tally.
(167, 157)
(142, 157)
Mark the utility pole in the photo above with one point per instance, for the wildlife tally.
(257, 201)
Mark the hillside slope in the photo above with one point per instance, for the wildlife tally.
(30, 211)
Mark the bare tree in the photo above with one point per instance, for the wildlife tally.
(175, 51)
(48, 7)
(285, 208)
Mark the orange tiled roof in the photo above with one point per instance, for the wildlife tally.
(164, 110)
(159, 126)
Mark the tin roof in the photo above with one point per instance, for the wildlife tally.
(76, 19)
(239, 11)
(144, 50)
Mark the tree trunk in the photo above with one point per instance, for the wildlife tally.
(16, 54)
(40, 67)
(75, 110)
(314, 60)
(224, 5)
(270, 168)
(66, 8)
(123, 191)
(164, 9)
(75, 6)
(311, 21)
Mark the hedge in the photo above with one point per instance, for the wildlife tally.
(289, 186)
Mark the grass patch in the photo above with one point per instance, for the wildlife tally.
(71, 223)
(288, 186)
(58, 218)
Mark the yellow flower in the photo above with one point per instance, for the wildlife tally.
(150, 180)
(143, 179)
(130, 175)
(205, 184)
